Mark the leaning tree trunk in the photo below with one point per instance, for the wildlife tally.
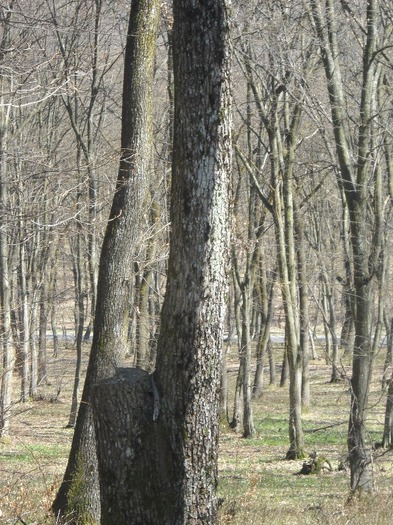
(79, 496)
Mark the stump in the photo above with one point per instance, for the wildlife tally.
(125, 409)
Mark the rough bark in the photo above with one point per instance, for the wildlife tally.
(173, 416)
(78, 499)
(128, 448)
(189, 346)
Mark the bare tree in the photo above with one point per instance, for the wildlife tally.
(354, 136)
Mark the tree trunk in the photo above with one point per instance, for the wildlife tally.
(347, 336)
(272, 363)
(24, 319)
(224, 386)
(179, 424)
(5, 296)
(238, 407)
(264, 338)
(304, 346)
(79, 496)
(245, 361)
(80, 294)
(6, 346)
(129, 449)
(284, 229)
(42, 329)
(193, 314)
(389, 350)
(284, 368)
(387, 439)
(365, 236)
(144, 313)
(53, 309)
(33, 344)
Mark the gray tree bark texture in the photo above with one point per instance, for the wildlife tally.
(157, 437)
(172, 450)
(125, 411)
(189, 347)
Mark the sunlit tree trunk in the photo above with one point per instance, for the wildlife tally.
(176, 410)
(188, 361)
(354, 178)
(7, 365)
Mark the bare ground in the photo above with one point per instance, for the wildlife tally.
(256, 484)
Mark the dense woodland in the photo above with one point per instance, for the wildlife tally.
(311, 200)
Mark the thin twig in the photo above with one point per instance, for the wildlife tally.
(324, 428)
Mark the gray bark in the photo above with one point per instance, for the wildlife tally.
(353, 178)
(193, 314)
(125, 411)
(174, 416)
(7, 368)
(5, 296)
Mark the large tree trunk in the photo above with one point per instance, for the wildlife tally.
(79, 494)
(128, 449)
(173, 417)
(193, 314)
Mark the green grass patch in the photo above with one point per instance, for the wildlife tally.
(33, 452)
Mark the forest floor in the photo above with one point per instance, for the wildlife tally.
(257, 485)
